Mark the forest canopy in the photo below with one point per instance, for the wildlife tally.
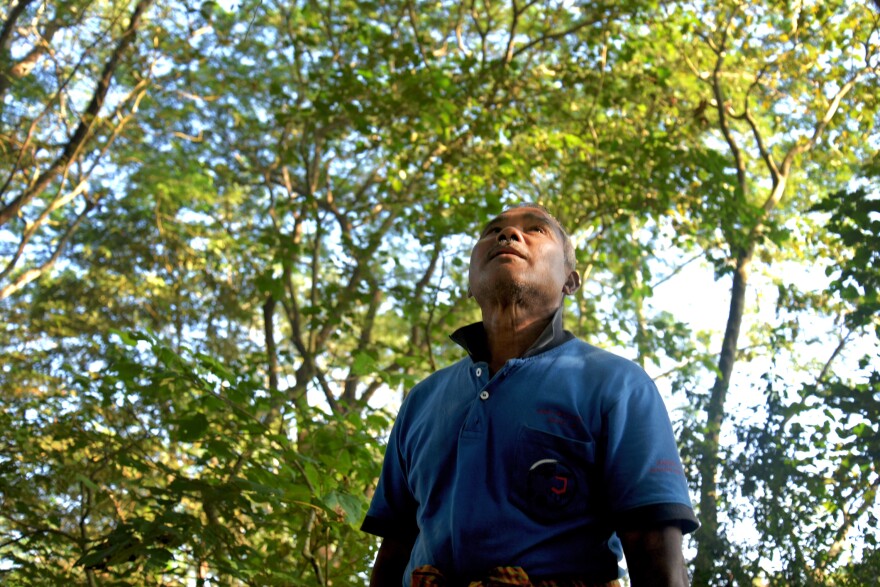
(234, 234)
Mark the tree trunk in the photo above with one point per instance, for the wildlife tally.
(710, 543)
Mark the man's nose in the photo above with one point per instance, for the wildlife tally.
(509, 233)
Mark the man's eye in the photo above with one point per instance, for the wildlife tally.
(541, 229)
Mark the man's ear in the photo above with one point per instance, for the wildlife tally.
(572, 283)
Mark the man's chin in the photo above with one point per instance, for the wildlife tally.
(505, 292)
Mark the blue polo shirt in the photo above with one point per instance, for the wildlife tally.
(535, 466)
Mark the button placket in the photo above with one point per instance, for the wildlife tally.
(477, 415)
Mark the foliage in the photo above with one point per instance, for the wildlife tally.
(173, 462)
(231, 233)
(810, 468)
(59, 121)
(855, 222)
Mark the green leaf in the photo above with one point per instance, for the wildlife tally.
(127, 338)
(87, 482)
(193, 428)
(363, 364)
(349, 506)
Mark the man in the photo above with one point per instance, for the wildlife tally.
(537, 451)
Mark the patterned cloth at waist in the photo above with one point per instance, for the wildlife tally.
(428, 576)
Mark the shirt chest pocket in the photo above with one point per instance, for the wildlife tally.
(554, 477)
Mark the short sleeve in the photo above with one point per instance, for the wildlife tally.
(642, 468)
(392, 511)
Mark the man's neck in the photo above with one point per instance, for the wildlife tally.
(511, 330)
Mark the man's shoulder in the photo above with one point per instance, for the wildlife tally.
(598, 355)
(602, 364)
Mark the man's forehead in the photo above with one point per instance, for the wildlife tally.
(524, 213)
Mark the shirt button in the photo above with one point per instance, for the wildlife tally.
(484, 395)
(479, 371)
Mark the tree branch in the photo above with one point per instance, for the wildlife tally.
(841, 344)
(678, 269)
(77, 141)
(565, 32)
(822, 124)
(482, 33)
(414, 23)
(511, 34)
(32, 274)
(9, 24)
(849, 519)
(721, 108)
(349, 392)
(32, 227)
(756, 133)
(269, 336)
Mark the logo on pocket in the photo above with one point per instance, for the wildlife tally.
(551, 485)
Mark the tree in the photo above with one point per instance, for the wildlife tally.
(54, 140)
(320, 190)
(751, 81)
(288, 191)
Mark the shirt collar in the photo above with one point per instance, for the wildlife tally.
(472, 338)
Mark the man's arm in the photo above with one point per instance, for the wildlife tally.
(653, 556)
(391, 562)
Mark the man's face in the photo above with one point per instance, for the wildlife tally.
(519, 257)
